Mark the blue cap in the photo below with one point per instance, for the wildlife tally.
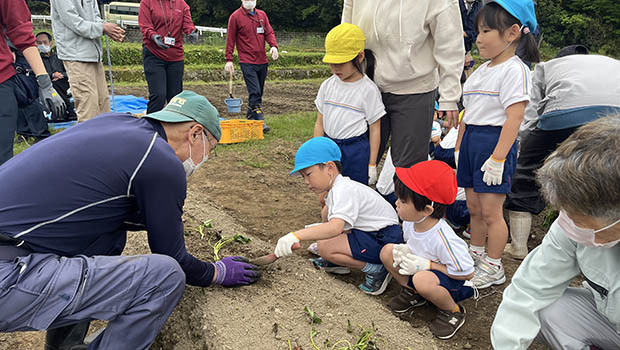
(436, 106)
(523, 10)
(318, 150)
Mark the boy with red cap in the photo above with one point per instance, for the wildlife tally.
(434, 264)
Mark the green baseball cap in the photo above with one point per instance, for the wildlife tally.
(189, 106)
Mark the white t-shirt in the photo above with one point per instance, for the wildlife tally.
(360, 206)
(348, 108)
(436, 130)
(441, 245)
(449, 141)
(490, 90)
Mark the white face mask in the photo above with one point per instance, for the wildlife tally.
(189, 165)
(44, 48)
(583, 236)
(249, 5)
(424, 218)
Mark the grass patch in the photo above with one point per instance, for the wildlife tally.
(142, 83)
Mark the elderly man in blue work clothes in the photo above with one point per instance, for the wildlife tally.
(59, 244)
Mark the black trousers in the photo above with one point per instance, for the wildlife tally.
(31, 122)
(164, 78)
(525, 193)
(254, 76)
(8, 119)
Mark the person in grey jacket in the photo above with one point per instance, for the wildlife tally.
(581, 180)
(78, 27)
(568, 91)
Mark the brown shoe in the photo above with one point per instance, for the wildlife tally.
(447, 323)
(406, 300)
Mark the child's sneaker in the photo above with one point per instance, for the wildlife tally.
(376, 283)
(486, 275)
(447, 323)
(476, 256)
(323, 264)
(466, 233)
(405, 301)
(314, 249)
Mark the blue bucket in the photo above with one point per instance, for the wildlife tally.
(234, 105)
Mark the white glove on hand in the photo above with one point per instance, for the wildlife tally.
(398, 251)
(284, 245)
(372, 174)
(456, 158)
(493, 171)
(274, 53)
(412, 263)
(229, 67)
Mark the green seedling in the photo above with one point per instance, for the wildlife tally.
(205, 225)
(313, 317)
(226, 240)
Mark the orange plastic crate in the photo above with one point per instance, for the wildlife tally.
(241, 130)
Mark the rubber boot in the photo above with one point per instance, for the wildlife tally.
(520, 225)
(67, 338)
(257, 114)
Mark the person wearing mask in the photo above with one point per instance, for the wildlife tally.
(78, 27)
(580, 179)
(469, 10)
(57, 72)
(418, 47)
(248, 30)
(162, 23)
(60, 246)
(15, 25)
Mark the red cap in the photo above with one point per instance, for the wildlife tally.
(432, 179)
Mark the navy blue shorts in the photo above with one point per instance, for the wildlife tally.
(458, 214)
(366, 246)
(455, 287)
(355, 156)
(477, 146)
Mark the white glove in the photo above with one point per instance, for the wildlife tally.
(493, 171)
(456, 158)
(412, 263)
(229, 67)
(274, 53)
(398, 251)
(372, 174)
(285, 243)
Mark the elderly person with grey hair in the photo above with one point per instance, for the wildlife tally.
(581, 179)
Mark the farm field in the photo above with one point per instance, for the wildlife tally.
(245, 189)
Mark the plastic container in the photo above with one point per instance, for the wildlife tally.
(241, 130)
(233, 105)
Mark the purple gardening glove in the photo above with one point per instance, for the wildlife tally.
(235, 271)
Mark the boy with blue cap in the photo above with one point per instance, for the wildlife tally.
(358, 222)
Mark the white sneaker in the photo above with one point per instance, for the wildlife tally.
(476, 256)
(486, 275)
(314, 249)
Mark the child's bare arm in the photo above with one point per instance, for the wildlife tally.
(326, 230)
(318, 125)
(442, 268)
(514, 117)
(375, 140)
(459, 139)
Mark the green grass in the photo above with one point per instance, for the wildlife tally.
(142, 83)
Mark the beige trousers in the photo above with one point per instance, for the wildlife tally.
(89, 88)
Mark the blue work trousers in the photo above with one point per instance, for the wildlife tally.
(8, 119)
(254, 76)
(136, 294)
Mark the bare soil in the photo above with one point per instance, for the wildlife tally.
(263, 202)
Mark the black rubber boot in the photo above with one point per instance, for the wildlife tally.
(68, 337)
(257, 114)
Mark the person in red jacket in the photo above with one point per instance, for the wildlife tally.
(15, 25)
(248, 29)
(162, 23)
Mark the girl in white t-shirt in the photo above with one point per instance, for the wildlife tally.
(495, 96)
(349, 103)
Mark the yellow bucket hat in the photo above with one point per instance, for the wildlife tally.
(343, 43)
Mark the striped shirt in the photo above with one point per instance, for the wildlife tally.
(441, 245)
(81, 190)
(490, 90)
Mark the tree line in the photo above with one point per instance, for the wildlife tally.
(595, 23)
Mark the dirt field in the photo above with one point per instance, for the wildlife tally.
(261, 201)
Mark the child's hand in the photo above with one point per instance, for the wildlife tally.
(493, 170)
(398, 251)
(372, 174)
(285, 244)
(412, 263)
